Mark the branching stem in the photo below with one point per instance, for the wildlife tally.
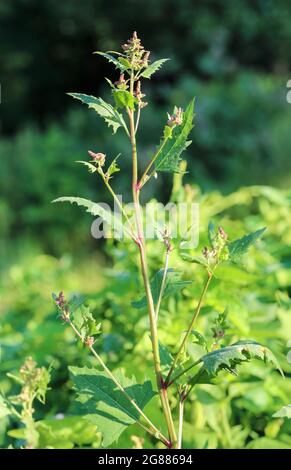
(163, 284)
(151, 428)
(144, 268)
(194, 318)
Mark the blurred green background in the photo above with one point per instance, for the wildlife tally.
(235, 58)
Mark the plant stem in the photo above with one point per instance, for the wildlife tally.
(145, 177)
(196, 313)
(181, 417)
(184, 371)
(137, 120)
(163, 285)
(144, 268)
(152, 428)
(117, 202)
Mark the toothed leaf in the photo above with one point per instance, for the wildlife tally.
(112, 60)
(95, 209)
(113, 168)
(170, 152)
(174, 284)
(229, 357)
(86, 323)
(112, 117)
(124, 99)
(105, 405)
(92, 168)
(152, 68)
(238, 248)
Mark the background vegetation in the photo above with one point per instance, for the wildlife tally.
(235, 58)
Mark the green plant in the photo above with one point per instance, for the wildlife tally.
(110, 400)
(34, 384)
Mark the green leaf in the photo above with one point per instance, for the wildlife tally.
(86, 323)
(124, 63)
(200, 339)
(4, 410)
(194, 259)
(167, 360)
(105, 405)
(284, 412)
(229, 357)
(105, 110)
(154, 67)
(92, 168)
(169, 155)
(174, 284)
(112, 60)
(95, 209)
(66, 433)
(124, 99)
(239, 247)
(42, 384)
(267, 443)
(113, 168)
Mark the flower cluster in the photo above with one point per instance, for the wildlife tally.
(139, 96)
(176, 118)
(121, 83)
(63, 306)
(97, 157)
(219, 249)
(136, 53)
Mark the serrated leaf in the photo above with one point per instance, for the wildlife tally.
(174, 284)
(284, 412)
(112, 60)
(124, 99)
(124, 63)
(105, 110)
(239, 247)
(95, 209)
(194, 259)
(92, 168)
(76, 302)
(105, 405)
(169, 156)
(229, 357)
(167, 360)
(86, 323)
(200, 339)
(113, 168)
(152, 68)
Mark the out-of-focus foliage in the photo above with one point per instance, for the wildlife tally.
(232, 57)
(234, 412)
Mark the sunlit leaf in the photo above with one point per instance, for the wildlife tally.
(105, 405)
(112, 60)
(112, 117)
(239, 247)
(174, 283)
(152, 68)
(229, 357)
(284, 412)
(169, 155)
(124, 99)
